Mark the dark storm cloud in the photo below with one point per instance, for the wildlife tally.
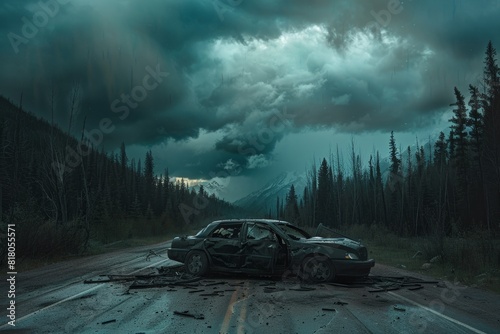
(229, 66)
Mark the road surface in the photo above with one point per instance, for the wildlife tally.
(55, 299)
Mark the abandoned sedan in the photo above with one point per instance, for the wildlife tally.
(269, 247)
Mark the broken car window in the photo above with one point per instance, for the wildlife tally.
(294, 232)
(227, 231)
(257, 232)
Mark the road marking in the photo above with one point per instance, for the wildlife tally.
(225, 324)
(437, 313)
(75, 296)
(243, 312)
(153, 264)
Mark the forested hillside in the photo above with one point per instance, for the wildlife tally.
(62, 192)
(453, 190)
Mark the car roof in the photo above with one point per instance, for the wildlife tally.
(254, 220)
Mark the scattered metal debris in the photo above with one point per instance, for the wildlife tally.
(218, 293)
(340, 303)
(302, 288)
(269, 289)
(399, 308)
(190, 315)
(196, 291)
(215, 283)
(152, 253)
(175, 277)
(388, 283)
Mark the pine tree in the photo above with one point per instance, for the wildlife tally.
(278, 207)
(149, 181)
(460, 156)
(122, 188)
(475, 122)
(394, 185)
(379, 190)
(123, 160)
(372, 192)
(323, 195)
(451, 144)
(491, 143)
(479, 198)
(440, 151)
(459, 128)
(394, 156)
(291, 207)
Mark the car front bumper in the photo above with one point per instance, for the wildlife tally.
(353, 268)
(177, 254)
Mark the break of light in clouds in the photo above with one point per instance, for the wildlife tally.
(334, 71)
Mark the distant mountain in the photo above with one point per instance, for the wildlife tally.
(260, 201)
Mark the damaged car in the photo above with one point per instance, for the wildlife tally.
(270, 247)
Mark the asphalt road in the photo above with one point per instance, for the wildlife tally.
(55, 299)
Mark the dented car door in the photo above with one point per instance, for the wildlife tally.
(224, 245)
(259, 248)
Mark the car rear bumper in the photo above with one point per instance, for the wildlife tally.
(353, 268)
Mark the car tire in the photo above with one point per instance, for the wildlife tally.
(196, 263)
(317, 269)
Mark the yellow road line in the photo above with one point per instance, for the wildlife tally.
(227, 318)
(243, 312)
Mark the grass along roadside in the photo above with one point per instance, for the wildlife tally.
(473, 261)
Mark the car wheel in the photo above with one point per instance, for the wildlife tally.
(196, 263)
(317, 269)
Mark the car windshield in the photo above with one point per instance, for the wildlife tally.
(294, 232)
(200, 232)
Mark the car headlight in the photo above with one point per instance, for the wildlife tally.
(351, 256)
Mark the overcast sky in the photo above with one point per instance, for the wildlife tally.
(245, 88)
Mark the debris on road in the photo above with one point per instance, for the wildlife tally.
(218, 293)
(386, 283)
(196, 291)
(302, 288)
(340, 303)
(190, 315)
(269, 289)
(175, 276)
(329, 309)
(152, 253)
(399, 308)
